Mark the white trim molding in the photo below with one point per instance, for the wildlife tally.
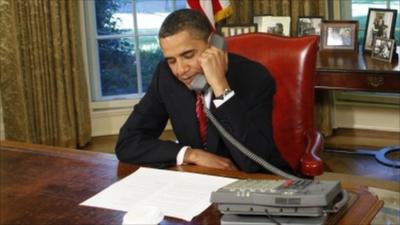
(108, 122)
(372, 111)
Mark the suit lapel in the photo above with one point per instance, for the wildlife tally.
(212, 138)
(212, 134)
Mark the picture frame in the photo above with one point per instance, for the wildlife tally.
(278, 25)
(383, 49)
(309, 25)
(339, 35)
(257, 19)
(380, 24)
(233, 29)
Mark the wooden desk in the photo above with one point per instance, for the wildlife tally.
(44, 185)
(356, 72)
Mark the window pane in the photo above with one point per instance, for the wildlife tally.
(114, 17)
(117, 34)
(117, 66)
(360, 12)
(151, 13)
(150, 55)
(395, 4)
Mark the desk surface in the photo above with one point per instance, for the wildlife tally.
(44, 185)
(356, 72)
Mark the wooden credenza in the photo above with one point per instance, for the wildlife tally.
(353, 71)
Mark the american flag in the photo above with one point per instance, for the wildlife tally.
(215, 10)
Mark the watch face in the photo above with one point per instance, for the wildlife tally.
(224, 94)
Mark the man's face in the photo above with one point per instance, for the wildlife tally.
(181, 52)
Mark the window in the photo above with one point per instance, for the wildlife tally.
(122, 45)
(359, 11)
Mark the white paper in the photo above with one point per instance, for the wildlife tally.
(178, 194)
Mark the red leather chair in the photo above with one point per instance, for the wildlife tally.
(291, 61)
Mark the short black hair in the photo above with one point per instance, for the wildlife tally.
(186, 19)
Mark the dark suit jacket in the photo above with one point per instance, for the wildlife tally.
(247, 116)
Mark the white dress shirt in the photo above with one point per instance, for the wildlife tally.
(207, 101)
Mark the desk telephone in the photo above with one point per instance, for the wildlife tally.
(292, 200)
(284, 201)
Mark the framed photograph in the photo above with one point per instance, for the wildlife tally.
(279, 25)
(380, 24)
(339, 35)
(257, 19)
(308, 25)
(383, 49)
(232, 30)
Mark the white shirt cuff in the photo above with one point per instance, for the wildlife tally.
(181, 155)
(219, 102)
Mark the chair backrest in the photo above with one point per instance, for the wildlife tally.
(291, 61)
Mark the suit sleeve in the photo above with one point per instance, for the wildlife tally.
(247, 116)
(138, 141)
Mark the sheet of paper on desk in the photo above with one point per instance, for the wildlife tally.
(178, 194)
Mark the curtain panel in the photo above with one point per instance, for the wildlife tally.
(43, 86)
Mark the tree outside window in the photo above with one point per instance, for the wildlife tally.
(126, 49)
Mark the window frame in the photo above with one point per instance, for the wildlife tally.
(346, 13)
(93, 61)
(381, 99)
(114, 109)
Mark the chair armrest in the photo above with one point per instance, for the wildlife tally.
(311, 164)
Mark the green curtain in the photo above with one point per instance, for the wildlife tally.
(43, 85)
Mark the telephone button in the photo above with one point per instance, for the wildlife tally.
(288, 183)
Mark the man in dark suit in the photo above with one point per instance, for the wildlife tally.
(239, 95)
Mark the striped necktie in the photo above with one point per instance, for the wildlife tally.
(202, 119)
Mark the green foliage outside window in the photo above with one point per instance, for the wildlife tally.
(117, 58)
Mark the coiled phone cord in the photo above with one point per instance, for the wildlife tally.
(336, 207)
(245, 150)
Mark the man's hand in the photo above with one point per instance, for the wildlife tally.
(214, 63)
(206, 159)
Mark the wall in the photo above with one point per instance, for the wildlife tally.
(108, 117)
(359, 116)
(372, 111)
(347, 113)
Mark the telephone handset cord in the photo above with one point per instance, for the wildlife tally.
(245, 150)
(336, 207)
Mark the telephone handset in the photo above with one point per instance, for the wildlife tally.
(199, 82)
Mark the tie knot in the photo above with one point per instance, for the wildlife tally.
(199, 99)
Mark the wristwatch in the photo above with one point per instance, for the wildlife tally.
(226, 92)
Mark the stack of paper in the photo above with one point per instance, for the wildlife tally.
(178, 194)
